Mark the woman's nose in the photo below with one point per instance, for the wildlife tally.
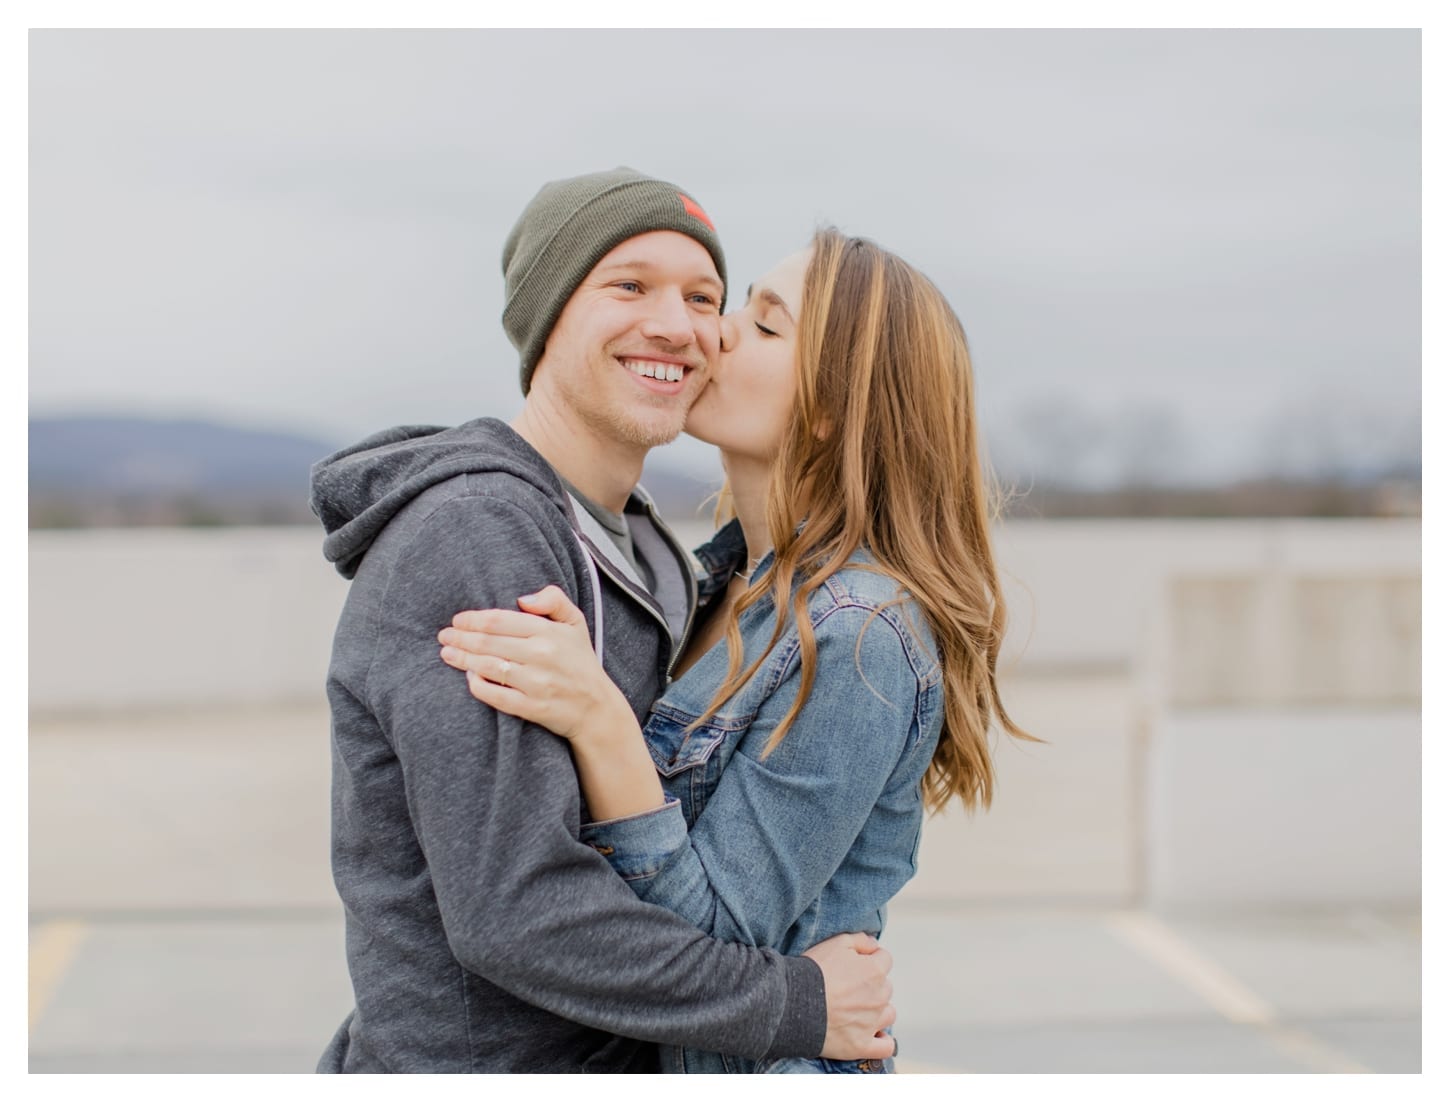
(729, 331)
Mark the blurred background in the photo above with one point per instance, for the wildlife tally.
(1188, 263)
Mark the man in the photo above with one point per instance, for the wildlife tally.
(481, 934)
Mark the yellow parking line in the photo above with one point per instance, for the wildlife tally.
(53, 946)
(1223, 991)
(1211, 983)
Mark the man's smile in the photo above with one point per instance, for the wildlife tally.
(660, 374)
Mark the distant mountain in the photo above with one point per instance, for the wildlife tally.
(679, 492)
(90, 471)
(137, 456)
(113, 471)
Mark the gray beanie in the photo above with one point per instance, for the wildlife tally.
(567, 228)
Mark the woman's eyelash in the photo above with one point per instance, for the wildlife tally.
(767, 332)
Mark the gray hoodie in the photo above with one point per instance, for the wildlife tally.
(482, 935)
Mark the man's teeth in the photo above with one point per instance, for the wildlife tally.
(653, 369)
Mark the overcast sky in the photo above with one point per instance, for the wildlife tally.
(1162, 243)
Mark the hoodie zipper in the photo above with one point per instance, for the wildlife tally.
(631, 590)
(644, 600)
(692, 585)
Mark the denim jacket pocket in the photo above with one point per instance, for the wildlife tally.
(672, 748)
(690, 762)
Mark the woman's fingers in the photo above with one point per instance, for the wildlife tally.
(513, 647)
(549, 616)
(537, 682)
(499, 696)
(502, 621)
(553, 602)
(519, 697)
(490, 666)
(548, 665)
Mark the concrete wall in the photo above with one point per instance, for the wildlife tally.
(1299, 808)
(1231, 708)
(1284, 717)
(1066, 824)
(160, 618)
(148, 617)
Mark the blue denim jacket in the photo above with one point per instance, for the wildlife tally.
(815, 839)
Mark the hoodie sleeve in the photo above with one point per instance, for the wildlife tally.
(495, 805)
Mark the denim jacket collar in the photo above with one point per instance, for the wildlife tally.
(726, 554)
(723, 555)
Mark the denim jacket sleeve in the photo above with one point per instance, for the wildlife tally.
(787, 820)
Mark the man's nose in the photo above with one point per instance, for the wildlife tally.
(669, 320)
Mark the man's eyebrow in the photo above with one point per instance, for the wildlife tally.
(642, 265)
(772, 298)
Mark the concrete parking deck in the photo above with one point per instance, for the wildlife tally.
(182, 920)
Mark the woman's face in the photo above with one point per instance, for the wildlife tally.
(744, 408)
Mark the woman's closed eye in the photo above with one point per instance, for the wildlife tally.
(767, 332)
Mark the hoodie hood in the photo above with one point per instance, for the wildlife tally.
(358, 490)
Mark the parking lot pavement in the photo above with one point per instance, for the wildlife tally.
(1000, 990)
(1054, 990)
(183, 920)
(188, 993)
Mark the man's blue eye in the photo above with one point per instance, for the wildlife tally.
(628, 284)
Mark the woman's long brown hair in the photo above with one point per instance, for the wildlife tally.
(882, 451)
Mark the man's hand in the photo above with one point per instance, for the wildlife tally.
(858, 997)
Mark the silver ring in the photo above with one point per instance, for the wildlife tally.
(503, 674)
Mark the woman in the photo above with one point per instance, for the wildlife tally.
(842, 674)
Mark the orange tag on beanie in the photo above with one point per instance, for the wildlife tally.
(693, 207)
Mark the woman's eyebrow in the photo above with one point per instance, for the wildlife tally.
(770, 297)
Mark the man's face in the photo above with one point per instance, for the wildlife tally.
(637, 339)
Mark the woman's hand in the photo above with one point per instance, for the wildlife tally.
(538, 665)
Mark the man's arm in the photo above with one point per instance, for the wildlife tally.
(495, 805)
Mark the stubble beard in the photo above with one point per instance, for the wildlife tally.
(641, 420)
(628, 427)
